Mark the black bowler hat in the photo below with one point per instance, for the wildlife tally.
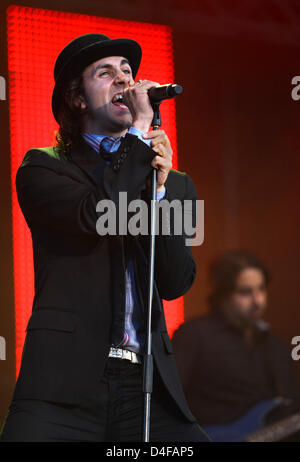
(83, 51)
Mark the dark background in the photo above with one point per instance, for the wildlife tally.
(238, 138)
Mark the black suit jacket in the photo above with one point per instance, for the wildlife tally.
(79, 275)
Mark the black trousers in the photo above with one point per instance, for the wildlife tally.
(116, 415)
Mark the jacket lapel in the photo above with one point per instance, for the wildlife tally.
(89, 161)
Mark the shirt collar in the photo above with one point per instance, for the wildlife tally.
(95, 140)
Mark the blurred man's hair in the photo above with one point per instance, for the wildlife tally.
(225, 270)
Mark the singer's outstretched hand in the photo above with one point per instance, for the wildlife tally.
(163, 161)
(136, 98)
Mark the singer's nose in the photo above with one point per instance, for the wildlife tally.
(122, 78)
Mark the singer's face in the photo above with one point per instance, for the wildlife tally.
(102, 80)
(248, 301)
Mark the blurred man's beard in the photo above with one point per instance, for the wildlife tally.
(255, 312)
(252, 316)
(240, 319)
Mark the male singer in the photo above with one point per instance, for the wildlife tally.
(82, 365)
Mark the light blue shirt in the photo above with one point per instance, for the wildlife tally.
(133, 311)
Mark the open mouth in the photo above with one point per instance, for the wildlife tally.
(118, 101)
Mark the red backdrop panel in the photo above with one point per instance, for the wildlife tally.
(35, 37)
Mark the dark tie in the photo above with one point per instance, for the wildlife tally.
(104, 148)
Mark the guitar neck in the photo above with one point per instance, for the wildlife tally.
(276, 431)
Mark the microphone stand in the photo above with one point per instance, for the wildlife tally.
(148, 358)
(165, 92)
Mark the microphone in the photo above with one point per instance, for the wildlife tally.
(161, 92)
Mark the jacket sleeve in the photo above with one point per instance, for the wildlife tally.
(51, 196)
(175, 267)
(185, 342)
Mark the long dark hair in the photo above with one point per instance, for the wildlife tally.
(70, 115)
(224, 271)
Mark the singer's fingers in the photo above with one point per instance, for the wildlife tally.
(160, 149)
(136, 88)
(157, 136)
(161, 163)
(145, 84)
(160, 138)
(162, 160)
(154, 134)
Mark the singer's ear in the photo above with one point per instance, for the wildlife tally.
(76, 102)
(74, 94)
(80, 102)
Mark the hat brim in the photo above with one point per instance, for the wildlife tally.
(117, 47)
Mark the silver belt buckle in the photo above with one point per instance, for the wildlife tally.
(115, 353)
(119, 353)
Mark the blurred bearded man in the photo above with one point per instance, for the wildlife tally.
(235, 362)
